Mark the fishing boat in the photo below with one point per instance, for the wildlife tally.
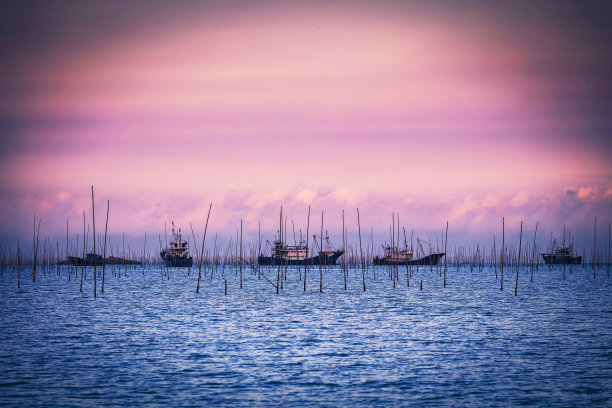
(283, 254)
(177, 254)
(561, 256)
(396, 256)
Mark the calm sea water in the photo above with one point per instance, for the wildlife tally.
(152, 340)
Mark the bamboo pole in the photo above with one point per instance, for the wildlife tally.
(240, 254)
(36, 250)
(166, 242)
(307, 239)
(195, 243)
(215, 261)
(161, 263)
(594, 246)
(494, 257)
(608, 269)
(93, 217)
(104, 254)
(518, 263)
(445, 256)
(202, 250)
(361, 250)
(123, 250)
(286, 260)
(18, 265)
(534, 249)
(67, 248)
(371, 257)
(344, 248)
(321, 258)
(280, 238)
(44, 257)
(551, 252)
(405, 246)
(144, 254)
(411, 247)
(296, 245)
(84, 259)
(502, 253)
(569, 238)
(564, 261)
(393, 252)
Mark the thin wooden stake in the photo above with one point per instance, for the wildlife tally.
(321, 258)
(608, 269)
(67, 247)
(202, 250)
(104, 254)
(344, 248)
(307, 240)
(240, 254)
(36, 250)
(84, 259)
(518, 262)
(18, 264)
(534, 248)
(445, 256)
(280, 238)
(144, 253)
(405, 246)
(563, 247)
(594, 246)
(93, 217)
(494, 257)
(502, 254)
(361, 249)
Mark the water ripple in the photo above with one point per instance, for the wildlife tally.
(152, 340)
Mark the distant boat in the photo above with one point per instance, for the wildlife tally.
(98, 260)
(283, 254)
(395, 256)
(562, 256)
(177, 254)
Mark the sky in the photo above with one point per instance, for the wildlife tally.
(458, 111)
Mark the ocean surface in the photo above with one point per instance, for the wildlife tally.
(150, 339)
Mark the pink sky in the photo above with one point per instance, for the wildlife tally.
(444, 111)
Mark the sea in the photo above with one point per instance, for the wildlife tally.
(151, 340)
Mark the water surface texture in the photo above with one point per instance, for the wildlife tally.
(155, 341)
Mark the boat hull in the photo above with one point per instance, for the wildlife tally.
(432, 259)
(315, 260)
(561, 260)
(176, 262)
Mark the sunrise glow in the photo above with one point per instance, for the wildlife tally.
(434, 111)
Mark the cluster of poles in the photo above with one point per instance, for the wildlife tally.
(236, 257)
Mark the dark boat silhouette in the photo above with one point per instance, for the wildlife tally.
(562, 256)
(283, 254)
(396, 256)
(432, 259)
(177, 254)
